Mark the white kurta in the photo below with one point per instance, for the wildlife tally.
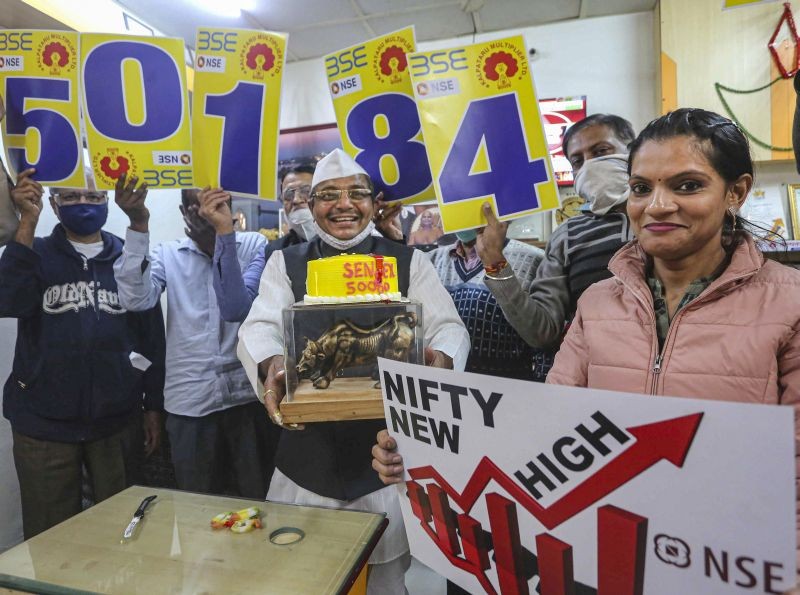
(261, 337)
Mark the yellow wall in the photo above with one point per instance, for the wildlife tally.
(708, 45)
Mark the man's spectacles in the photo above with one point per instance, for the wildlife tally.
(297, 193)
(71, 198)
(330, 195)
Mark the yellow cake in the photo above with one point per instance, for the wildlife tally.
(352, 278)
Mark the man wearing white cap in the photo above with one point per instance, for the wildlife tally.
(328, 463)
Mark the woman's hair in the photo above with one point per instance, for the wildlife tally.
(722, 143)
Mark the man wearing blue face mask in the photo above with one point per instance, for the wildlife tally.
(82, 366)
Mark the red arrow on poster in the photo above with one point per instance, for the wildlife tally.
(665, 440)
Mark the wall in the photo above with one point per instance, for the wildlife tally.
(702, 44)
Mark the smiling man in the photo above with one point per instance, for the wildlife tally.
(328, 463)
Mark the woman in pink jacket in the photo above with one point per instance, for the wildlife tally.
(693, 308)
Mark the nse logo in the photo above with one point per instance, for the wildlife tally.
(345, 61)
(12, 63)
(345, 86)
(210, 63)
(438, 62)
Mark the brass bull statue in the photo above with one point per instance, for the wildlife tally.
(346, 345)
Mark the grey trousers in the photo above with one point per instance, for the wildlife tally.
(226, 452)
(50, 475)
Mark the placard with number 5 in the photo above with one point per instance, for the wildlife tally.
(236, 110)
(377, 117)
(483, 132)
(136, 109)
(39, 83)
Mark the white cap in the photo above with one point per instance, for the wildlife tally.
(336, 164)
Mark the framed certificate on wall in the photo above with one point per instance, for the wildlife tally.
(764, 207)
(794, 209)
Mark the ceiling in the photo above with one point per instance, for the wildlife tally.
(318, 27)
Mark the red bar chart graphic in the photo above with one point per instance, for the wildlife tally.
(621, 534)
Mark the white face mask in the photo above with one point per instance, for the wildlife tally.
(603, 182)
(302, 222)
(344, 244)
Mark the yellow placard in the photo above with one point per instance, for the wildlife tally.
(39, 84)
(378, 121)
(136, 109)
(483, 132)
(236, 110)
(739, 3)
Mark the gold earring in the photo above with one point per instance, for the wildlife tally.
(732, 213)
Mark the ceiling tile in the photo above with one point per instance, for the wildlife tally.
(15, 14)
(510, 14)
(433, 23)
(299, 14)
(312, 43)
(154, 13)
(375, 7)
(599, 8)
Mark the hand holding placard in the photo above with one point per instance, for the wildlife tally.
(131, 199)
(216, 209)
(491, 240)
(27, 197)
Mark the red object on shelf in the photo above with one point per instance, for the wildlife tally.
(789, 20)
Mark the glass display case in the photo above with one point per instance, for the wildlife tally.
(331, 354)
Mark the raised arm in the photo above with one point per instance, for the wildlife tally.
(537, 315)
(140, 277)
(20, 271)
(235, 291)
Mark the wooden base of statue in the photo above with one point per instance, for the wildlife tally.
(345, 399)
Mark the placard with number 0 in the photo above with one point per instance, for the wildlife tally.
(136, 109)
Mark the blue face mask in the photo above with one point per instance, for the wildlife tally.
(467, 236)
(83, 219)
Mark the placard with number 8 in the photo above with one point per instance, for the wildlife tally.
(377, 116)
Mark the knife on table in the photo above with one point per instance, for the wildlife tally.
(137, 516)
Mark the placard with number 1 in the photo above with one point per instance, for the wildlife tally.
(236, 110)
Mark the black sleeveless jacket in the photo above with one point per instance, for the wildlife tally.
(333, 459)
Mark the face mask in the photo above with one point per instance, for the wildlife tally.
(302, 222)
(467, 236)
(83, 219)
(603, 182)
(344, 244)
